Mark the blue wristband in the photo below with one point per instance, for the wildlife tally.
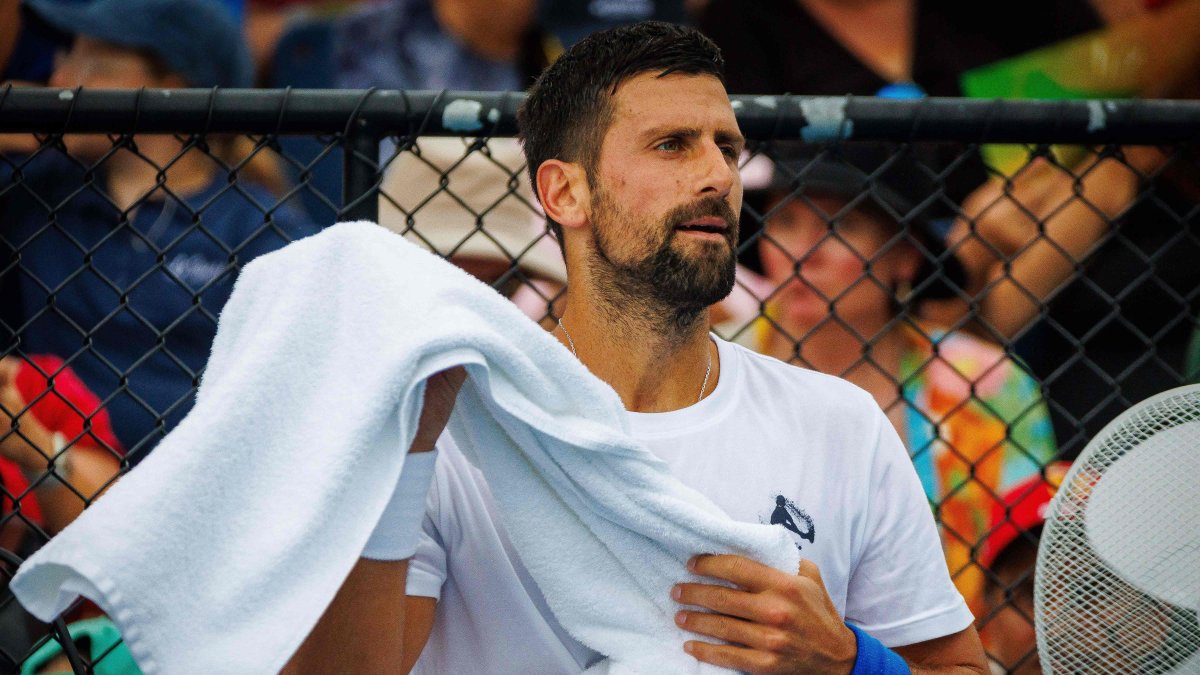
(875, 659)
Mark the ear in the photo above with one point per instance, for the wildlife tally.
(563, 190)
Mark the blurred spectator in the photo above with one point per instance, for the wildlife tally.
(57, 454)
(899, 48)
(459, 45)
(475, 45)
(483, 218)
(57, 447)
(888, 48)
(848, 285)
(129, 247)
(266, 22)
(1010, 555)
(1109, 334)
(1019, 239)
(28, 45)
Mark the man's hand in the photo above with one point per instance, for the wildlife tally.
(776, 622)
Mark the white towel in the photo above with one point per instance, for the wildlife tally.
(219, 552)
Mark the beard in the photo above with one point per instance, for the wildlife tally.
(678, 281)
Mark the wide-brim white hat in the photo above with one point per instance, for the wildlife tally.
(459, 201)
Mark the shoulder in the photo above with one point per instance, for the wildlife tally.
(771, 381)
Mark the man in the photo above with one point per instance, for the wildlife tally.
(632, 146)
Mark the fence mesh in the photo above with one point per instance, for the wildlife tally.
(1002, 302)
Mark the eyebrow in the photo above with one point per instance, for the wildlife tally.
(722, 136)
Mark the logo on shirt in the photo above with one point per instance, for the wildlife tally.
(795, 519)
(195, 270)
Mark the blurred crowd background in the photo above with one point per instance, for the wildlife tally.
(1001, 302)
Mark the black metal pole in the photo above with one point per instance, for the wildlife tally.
(457, 113)
(360, 176)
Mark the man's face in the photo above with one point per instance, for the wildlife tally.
(666, 192)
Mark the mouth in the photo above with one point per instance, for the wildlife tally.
(708, 225)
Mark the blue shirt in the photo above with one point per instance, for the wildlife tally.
(131, 304)
(400, 45)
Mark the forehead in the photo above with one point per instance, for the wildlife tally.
(647, 101)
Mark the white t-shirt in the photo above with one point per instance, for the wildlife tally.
(772, 443)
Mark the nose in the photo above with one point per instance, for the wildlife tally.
(720, 174)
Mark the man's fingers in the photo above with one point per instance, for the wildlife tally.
(733, 630)
(720, 599)
(744, 572)
(733, 657)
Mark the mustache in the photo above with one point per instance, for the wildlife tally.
(711, 206)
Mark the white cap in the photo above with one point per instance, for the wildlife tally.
(486, 208)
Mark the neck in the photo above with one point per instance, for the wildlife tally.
(132, 178)
(655, 360)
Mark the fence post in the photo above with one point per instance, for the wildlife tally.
(360, 174)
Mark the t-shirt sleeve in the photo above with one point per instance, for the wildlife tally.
(900, 590)
(427, 567)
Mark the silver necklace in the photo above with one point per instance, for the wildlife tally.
(707, 367)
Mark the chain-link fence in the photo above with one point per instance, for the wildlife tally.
(1003, 277)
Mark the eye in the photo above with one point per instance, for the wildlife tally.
(730, 152)
(669, 145)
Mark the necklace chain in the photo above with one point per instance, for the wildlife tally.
(707, 367)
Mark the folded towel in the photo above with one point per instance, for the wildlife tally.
(219, 553)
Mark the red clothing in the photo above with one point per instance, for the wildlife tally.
(62, 403)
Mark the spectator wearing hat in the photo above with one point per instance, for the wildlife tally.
(1009, 554)
(482, 217)
(852, 253)
(129, 247)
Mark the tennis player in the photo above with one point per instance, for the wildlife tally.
(632, 146)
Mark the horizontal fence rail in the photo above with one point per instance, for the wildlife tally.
(454, 113)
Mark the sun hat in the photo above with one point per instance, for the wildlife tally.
(885, 180)
(465, 202)
(197, 39)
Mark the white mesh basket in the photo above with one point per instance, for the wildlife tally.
(1117, 586)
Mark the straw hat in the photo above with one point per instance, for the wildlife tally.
(485, 209)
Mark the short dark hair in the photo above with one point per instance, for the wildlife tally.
(569, 107)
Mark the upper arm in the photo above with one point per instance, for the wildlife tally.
(361, 630)
(957, 652)
(419, 612)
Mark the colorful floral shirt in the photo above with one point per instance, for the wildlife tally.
(976, 424)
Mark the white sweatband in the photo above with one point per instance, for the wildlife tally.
(398, 530)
